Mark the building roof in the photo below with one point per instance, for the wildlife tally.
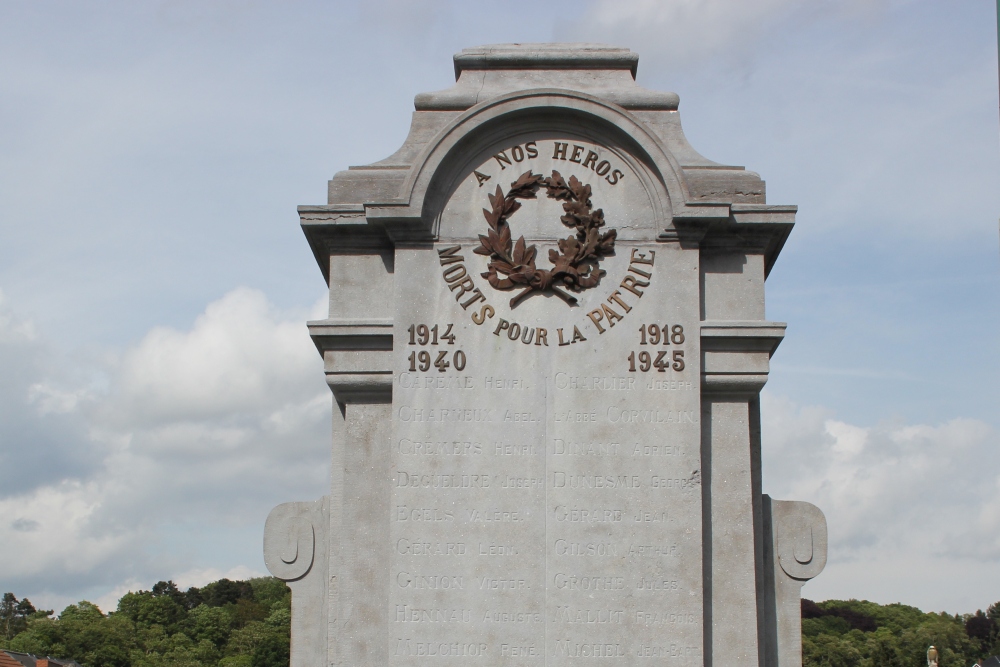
(15, 659)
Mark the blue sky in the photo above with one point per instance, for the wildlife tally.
(159, 393)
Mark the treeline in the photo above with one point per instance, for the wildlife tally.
(857, 633)
(246, 624)
(225, 624)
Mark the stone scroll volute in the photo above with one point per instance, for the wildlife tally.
(289, 541)
(800, 536)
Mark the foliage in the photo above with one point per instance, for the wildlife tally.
(246, 624)
(224, 624)
(15, 614)
(576, 265)
(858, 633)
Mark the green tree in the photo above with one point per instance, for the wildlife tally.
(273, 651)
(15, 614)
(225, 624)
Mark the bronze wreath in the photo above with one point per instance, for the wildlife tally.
(576, 266)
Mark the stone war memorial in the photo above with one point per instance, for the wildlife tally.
(546, 344)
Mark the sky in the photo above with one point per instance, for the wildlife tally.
(159, 393)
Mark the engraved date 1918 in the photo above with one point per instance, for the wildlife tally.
(654, 334)
(423, 335)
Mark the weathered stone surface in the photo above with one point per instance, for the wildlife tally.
(546, 434)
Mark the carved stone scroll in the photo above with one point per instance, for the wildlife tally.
(296, 539)
(798, 549)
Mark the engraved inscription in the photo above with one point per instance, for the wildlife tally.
(561, 479)
(493, 516)
(412, 647)
(492, 584)
(408, 614)
(587, 515)
(429, 581)
(424, 514)
(407, 547)
(567, 614)
(521, 617)
(408, 414)
(512, 651)
(588, 583)
(549, 488)
(663, 618)
(415, 480)
(561, 447)
(511, 449)
(453, 448)
(618, 415)
(570, 649)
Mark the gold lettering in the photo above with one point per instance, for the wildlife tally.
(639, 272)
(450, 255)
(611, 315)
(617, 298)
(595, 316)
(630, 283)
(465, 285)
(485, 311)
(639, 258)
(452, 274)
(478, 297)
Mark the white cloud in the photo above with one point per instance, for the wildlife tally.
(198, 434)
(59, 514)
(913, 502)
(238, 357)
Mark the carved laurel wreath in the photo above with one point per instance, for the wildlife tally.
(576, 265)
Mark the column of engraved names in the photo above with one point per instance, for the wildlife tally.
(623, 517)
(468, 496)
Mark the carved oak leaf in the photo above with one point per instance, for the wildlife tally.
(575, 265)
(607, 243)
(598, 217)
(556, 186)
(579, 190)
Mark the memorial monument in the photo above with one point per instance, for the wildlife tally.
(546, 344)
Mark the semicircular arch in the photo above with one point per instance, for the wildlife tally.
(543, 113)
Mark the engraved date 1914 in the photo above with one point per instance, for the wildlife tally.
(661, 360)
(422, 335)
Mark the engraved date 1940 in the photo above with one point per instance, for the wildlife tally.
(661, 360)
